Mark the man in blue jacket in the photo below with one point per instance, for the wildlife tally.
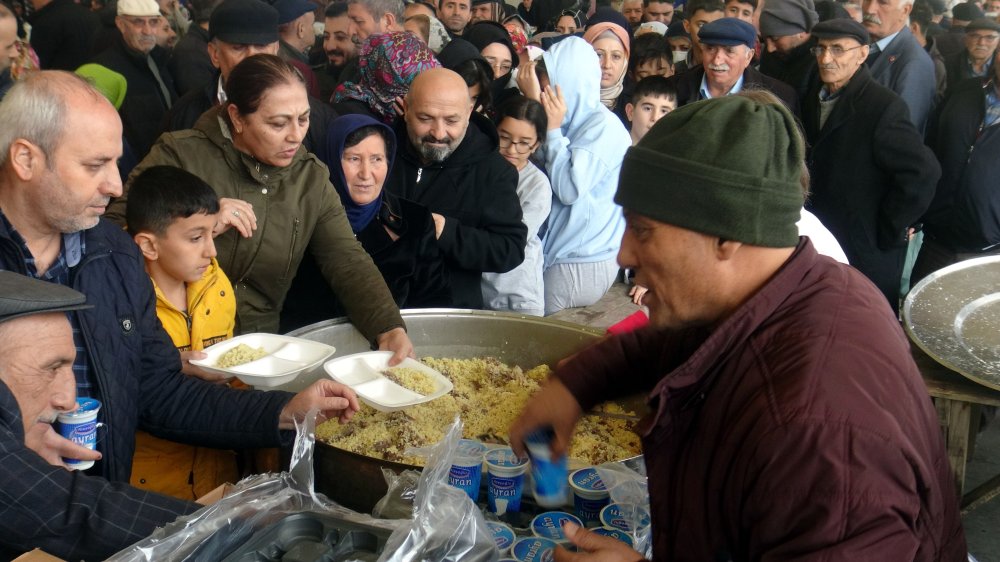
(60, 140)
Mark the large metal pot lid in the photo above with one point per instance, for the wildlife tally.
(953, 314)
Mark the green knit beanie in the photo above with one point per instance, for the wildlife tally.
(728, 167)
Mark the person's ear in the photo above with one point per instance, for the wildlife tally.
(235, 118)
(726, 249)
(213, 54)
(26, 158)
(147, 245)
(120, 24)
(629, 108)
(389, 21)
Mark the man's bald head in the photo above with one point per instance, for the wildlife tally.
(438, 107)
(437, 83)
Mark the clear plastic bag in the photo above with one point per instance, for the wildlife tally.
(628, 488)
(446, 525)
(397, 503)
(257, 501)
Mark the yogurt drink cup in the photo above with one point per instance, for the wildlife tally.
(467, 468)
(505, 480)
(589, 495)
(548, 472)
(80, 427)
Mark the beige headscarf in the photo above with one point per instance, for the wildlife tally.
(610, 94)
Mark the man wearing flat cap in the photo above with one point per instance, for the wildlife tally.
(963, 221)
(37, 384)
(982, 37)
(961, 15)
(135, 56)
(727, 48)
(787, 419)
(59, 143)
(785, 27)
(239, 29)
(872, 175)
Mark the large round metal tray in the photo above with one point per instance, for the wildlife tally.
(356, 481)
(953, 314)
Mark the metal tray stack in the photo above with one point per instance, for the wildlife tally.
(308, 537)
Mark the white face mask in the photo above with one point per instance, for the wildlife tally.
(680, 56)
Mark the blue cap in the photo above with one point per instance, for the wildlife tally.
(290, 10)
(728, 32)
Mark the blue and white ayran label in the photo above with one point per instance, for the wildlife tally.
(533, 549)
(588, 479)
(459, 476)
(84, 434)
(549, 525)
(502, 535)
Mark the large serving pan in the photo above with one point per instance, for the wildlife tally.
(953, 314)
(356, 481)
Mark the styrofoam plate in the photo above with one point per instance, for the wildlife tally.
(363, 373)
(286, 358)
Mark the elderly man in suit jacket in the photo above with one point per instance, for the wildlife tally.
(896, 60)
(872, 175)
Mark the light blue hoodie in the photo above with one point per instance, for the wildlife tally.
(583, 159)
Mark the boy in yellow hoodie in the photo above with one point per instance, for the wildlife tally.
(171, 214)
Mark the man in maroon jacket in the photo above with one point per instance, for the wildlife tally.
(788, 420)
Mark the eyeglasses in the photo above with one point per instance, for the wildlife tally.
(978, 38)
(835, 50)
(520, 147)
(503, 66)
(140, 22)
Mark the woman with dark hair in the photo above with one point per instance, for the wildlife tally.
(276, 202)
(464, 58)
(521, 126)
(494, 44)
(397, 233)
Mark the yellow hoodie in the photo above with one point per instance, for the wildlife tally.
(176, 469)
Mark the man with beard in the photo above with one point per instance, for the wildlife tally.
(727, 47)
(486, 10)
(448, 160)
(340, 50)
(785, 26)
(150, 86)
(455, 15)
(896, 60)
(872, 176)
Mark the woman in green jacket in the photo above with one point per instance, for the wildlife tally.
(276, 202)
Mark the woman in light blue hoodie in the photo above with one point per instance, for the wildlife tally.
(583, 153)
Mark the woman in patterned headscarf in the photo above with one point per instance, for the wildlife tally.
(387, 66)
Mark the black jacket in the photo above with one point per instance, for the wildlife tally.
(872, 176)
(956, 68)
(965, 214)
(688, 84)
(144, 107)
(189, 62)
(412, 265)
(185, 113)
(797, 69)
(475, 189)
(62, 34)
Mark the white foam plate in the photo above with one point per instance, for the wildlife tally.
(286, 358)
(363, 373)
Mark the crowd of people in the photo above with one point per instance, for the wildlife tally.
(206, 168)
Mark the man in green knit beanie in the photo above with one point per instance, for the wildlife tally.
(787, 419)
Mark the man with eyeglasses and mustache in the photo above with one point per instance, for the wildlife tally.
(447, 160)
(872, 175)
(982, 36)
(135, 56)
(897, 61)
